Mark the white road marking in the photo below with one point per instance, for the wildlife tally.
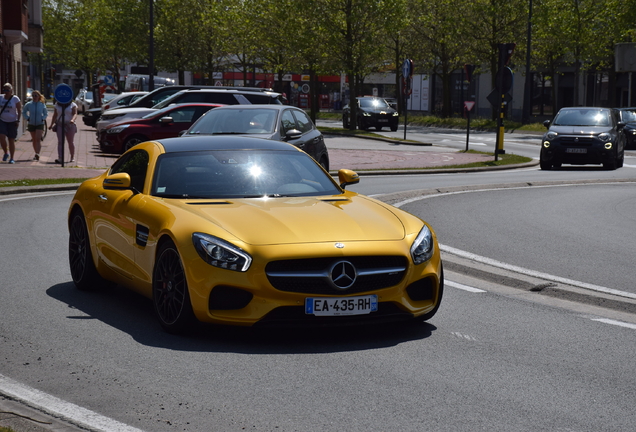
(616, 323)
(463, 287)
(517, 269)
(60, 408)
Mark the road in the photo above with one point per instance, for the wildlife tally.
(494, 358)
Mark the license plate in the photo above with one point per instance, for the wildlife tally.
(383, 120)
(339, 306)
(576, 150)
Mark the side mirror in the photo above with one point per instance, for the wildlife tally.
(165, 120)
(347, 177)
(621, 125)
(119, 181)
(183, 132)
(547, 124)
(293, 134)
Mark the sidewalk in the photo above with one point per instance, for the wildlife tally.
(90, 161)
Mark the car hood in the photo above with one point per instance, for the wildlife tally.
(580, 130)
(302, 219)
(377, 110)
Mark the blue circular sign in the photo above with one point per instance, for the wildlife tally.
(63, 93)
(406, 68)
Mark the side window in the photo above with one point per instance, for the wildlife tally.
(135, 164)
(183, 115)
(303, 121)
(287, 122)
(258, 99)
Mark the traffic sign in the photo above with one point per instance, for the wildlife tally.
(406, 68)
(109, 80)
(469, 105)
(63, 93)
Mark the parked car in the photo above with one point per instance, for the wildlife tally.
(372, 112)
(583, 135)
(275, 122)
(91, 116)
(219, 95)
(164, 123)
(628, 116)
(122, 100)
(252, 232)
(84, 100)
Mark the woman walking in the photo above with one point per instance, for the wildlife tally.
(68, 129)
(9, 120)
(35, 114)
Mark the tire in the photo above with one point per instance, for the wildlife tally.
(323, 163)
(394, 128)
(621, 161)
(378, 128)
(362, 125)
(133, 141)
(612, 165)
(345, 122)
(83, 271)
(545, 165)
(170, 296)
(429, 315)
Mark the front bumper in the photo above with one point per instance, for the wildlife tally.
(250, 298)
(593, 153)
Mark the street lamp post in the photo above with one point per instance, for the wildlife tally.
(151, 49)
(527, 95)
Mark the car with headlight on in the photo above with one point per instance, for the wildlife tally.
(628, 116)
(371, 112)
(583, 135)
(250, 232)
(276, 122)
(164, 123)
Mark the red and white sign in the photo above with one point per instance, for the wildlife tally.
(469, 105)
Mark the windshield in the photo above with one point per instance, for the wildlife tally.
(158, 112)
(236, 121)
(628, 116)
(582, 117)
(373, 103)
(240, 174)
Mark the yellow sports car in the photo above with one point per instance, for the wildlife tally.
(248, 231)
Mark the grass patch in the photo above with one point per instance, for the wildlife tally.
(39, 182)
(6, 429)
(477, 123)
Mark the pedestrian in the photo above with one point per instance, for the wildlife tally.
(35, 114)
(68, 129)
(9, 121)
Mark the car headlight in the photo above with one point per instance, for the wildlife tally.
(604, 136)
(366, 114)
(633, 131)
(116, 129)
(422, 247)
(551, 135)
(395, 114)
(220, 253)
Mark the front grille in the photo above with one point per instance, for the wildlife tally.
(578, 141)
(312, 276)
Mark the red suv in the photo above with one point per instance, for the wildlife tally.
(164, 123)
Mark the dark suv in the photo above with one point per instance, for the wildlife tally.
(583, 135)
(221, 95)
(372, 112)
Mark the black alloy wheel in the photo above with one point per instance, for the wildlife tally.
(133, 141)
(170, 296)
(83, 271)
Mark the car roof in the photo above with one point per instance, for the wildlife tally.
(222, 142)
(227, 90)
(259, 106)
